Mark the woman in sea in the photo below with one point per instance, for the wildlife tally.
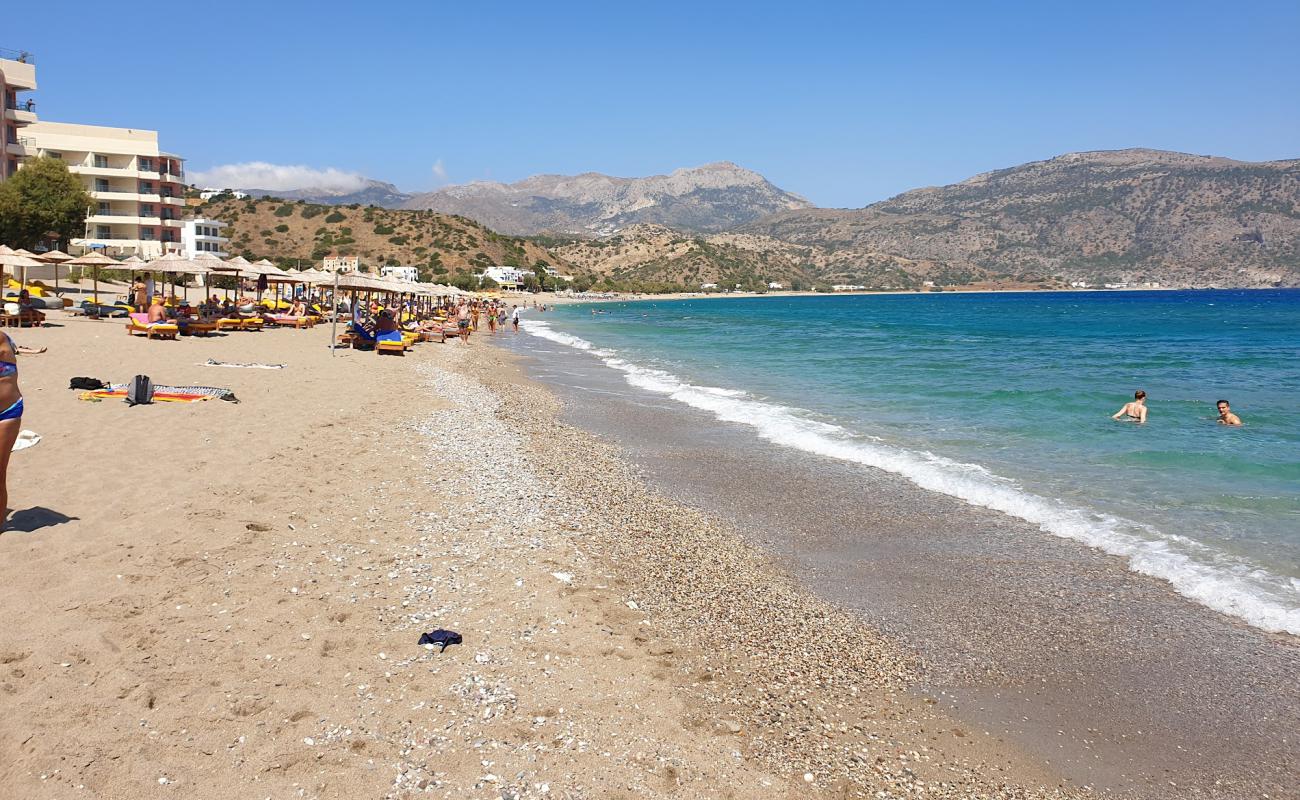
(1136, 410)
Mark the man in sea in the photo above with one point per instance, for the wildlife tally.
(1226, 417)
(1136, 410)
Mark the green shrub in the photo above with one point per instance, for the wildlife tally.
(284, 210)
(282, 228)
(335, 217)
(312, 211)
(397, 240)
(383, 230)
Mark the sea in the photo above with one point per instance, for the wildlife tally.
(1004, 401)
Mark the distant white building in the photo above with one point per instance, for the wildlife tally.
(400, 273)
(505, 277)
(208, 194)
(555, 273)
(847, 287)
(203, 235)
(776, 285)
(708, 285)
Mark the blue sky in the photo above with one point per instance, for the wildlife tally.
(845, 103)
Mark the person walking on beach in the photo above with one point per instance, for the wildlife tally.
(514, 317)
(1136, 410)
(1226, 417)
(140, 294)
(11, 418)
(462, 321)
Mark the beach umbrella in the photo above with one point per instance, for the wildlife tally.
(174, 264)
(15, 260)
(54, 258)
(94, 259)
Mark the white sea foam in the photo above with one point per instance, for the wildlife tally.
(1195, 570)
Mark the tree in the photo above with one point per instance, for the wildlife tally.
(531, 284)
(43, 198)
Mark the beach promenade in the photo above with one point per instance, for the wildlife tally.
(224, 600)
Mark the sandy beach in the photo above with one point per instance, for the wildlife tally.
(224, 600)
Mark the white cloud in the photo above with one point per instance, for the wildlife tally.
(439, 171)
(276, 177)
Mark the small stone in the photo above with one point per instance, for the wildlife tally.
(808, 777)
(383, 656)
(308, 741)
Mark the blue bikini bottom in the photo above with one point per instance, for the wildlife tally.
(14, 411)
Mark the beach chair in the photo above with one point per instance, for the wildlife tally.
(251, 324)
(139, 323)
(392, 346)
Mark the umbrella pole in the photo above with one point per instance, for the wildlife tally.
(334, 325)
(96, 271)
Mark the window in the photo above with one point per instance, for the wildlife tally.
(146, 210)
(146, 187)
(102, 232)
(147, 234)
(146, 164)
(101, 185)
(101, 162)
(53, 154)
(104, 209)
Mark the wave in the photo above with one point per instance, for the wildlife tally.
(1208, 576)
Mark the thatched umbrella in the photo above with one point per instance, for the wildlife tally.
(14, 259)
(175, 264)
(54, 258)
(94, 259)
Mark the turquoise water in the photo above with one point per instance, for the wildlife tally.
(1004, 400)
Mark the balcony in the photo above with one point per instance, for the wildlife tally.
(114, 218)
(23, 113)
(103, 172)
(171, 177)
(173, 201)
(24, 146)
(173, 223)
(111, 193)
(20, 72)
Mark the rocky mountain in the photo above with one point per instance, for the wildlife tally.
(710, 198)
(373, 193)
(1126, 215)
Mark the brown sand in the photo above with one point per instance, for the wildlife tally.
(221, 600)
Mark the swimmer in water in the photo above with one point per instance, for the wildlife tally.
(1226, 417)
(1136, 410)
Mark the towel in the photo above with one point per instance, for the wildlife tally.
(25, 440)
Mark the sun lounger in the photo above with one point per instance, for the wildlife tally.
(200, 328)
(394, 346)
(139, 323)
(251, 324)
(289, 320)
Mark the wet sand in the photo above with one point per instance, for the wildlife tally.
(1106, 675)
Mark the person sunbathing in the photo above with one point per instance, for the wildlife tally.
(157, 312)
(298, 309)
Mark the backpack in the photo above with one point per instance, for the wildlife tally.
(86, 383)
(139, 391)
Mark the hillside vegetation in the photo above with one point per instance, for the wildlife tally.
(442, 246)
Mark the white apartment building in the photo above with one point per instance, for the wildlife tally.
(139, 191)
(203, 235)
(337, 263)
(400, 273)
(209, 193)
(506, 277)
(17, 74)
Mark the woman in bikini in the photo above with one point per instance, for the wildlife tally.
(1136, 410)
(11, 419)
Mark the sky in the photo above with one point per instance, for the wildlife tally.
(843, 103)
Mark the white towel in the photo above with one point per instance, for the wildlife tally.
(26, 439)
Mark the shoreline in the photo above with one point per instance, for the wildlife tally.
(242, 619)
(1083, 621)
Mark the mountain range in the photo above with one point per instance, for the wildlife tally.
(704, 199)
(1132, 216)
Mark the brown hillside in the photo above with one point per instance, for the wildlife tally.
(443, 245)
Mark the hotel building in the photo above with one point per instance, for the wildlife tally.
(203, 235)
(17, 74)
(139, 191)
(335, 262)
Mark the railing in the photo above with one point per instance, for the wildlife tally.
(17, 55)
(26, 105)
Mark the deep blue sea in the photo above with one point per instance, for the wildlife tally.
(1004, 401)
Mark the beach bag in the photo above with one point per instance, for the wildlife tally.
(86, 384)
(139, 391)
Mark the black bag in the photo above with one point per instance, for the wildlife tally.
(139, 391)
(90, 384)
